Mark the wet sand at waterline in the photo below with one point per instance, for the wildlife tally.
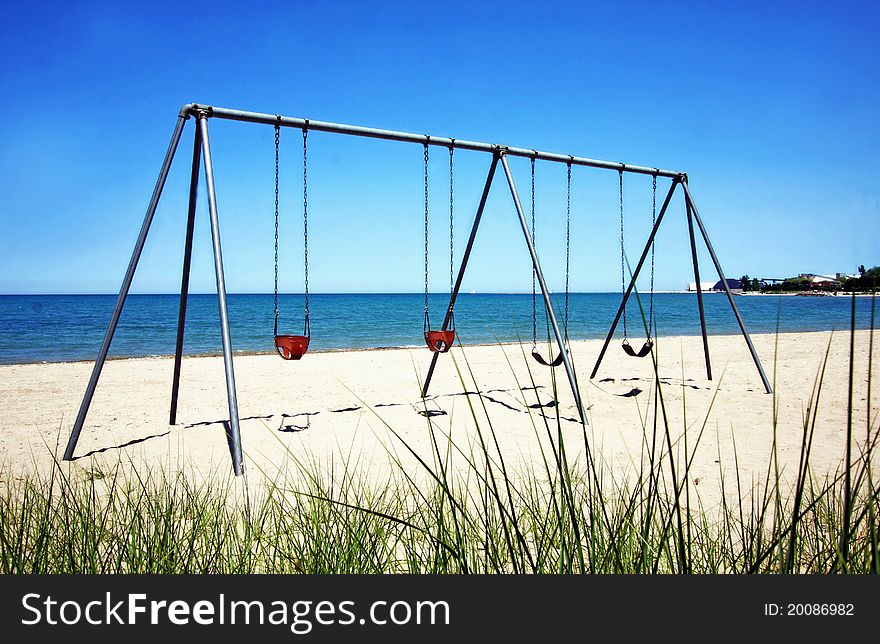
(337, 407)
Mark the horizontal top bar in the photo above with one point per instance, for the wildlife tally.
(193, 109)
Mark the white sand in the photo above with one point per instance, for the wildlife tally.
(338, 404)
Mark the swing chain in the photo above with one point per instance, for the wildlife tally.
(305, 134)
(534, 290)
(451, 217)
(426, 235)
(653, 223)
(277, 145)
(622, 255)
(567, 242)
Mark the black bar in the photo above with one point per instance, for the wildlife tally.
(635, 275)
(317, 608)
(123, 289)
(184, 281)
(464, 260)
(690, 221)
(742, 325)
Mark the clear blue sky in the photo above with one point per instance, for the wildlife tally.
(772, 109)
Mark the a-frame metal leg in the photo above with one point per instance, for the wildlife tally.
(235, 430)
(566, 358)
(690, 221)
(635, 275)
(184, 282)
(742, 326)
(464, 260)
(124, 289)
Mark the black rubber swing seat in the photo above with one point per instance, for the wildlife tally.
(540, 359)
(641, 353)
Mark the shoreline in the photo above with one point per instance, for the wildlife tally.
(801, 293)
(410, 347)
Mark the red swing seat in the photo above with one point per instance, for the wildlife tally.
(291, 347)
(440, 341)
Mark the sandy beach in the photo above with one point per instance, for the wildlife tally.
(339, 406)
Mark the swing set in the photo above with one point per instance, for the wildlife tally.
(438, 340)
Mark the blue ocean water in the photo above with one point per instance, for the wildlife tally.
(53, 328)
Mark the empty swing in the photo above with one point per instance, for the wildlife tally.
(649, 343)
(535, 353)
(292, 347)
(440, 340)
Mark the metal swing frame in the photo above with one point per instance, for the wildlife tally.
(201, 159)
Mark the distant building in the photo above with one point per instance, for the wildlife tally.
(821, 282)
(704, 286)
(815, 278)
(732, 284)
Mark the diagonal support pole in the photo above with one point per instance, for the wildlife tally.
(690, 221)
(635, 275)
(742, 325)
(563, 349)
(124, 289)
(464, 260)
(235, 430)
(184, 281)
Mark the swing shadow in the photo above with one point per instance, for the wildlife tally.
(551, 404)
(663, 380)
(482, 394)
(218, 422)
(144, 439)
(134, 441)
(294, 428)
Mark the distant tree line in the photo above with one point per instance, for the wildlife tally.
(750, 283)
(868, 280)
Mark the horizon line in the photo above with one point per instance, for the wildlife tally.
(177, 293)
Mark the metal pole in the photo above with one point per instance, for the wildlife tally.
(690, 221)
(742, 325)
(123, 290)
(464, 260)
(237, 461)
(635, 275)
(184, 281)
(569, 370)
(421, 139)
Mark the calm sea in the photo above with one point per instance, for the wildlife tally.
(53, 328)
